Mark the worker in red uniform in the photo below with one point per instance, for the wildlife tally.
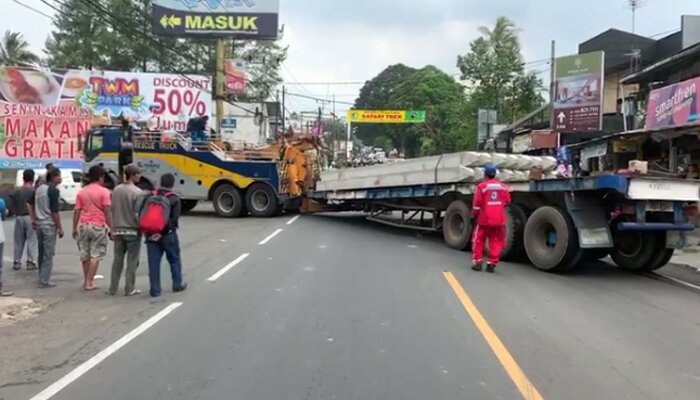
(489, 209)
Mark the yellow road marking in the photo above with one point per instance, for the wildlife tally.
(526, 388)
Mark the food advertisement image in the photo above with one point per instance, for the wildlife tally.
(43, 112)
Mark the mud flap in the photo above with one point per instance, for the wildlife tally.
(590, 220)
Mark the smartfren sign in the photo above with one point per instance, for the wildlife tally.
(253, 19)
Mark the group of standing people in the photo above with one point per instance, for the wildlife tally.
(99, 216)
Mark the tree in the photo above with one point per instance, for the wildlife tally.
(375, 94)
(14, 50)
(444, 101)
(494, 68)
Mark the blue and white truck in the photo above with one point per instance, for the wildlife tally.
(555, 223)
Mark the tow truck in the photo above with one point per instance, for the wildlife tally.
(262, 182)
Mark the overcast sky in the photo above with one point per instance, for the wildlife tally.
(342, 40)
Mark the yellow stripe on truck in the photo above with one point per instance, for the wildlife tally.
(194, 169)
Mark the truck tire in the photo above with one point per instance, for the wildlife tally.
(261, 200)
(188, 205)
(660, 259)
(516, 218)
(228, 202)
(456, 225)
(551, 241)
(635, 251)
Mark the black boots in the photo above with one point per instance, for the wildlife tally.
(491, 268)
(477, 267)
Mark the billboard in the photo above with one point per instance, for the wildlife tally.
(42, 112)
(236, 72)
(386, 116)
(253, 19)
(578, 92)
(674, 105)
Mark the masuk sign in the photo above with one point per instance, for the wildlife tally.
(253, 19)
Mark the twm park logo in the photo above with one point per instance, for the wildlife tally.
(117, 96)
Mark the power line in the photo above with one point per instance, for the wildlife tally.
(33, 9)
(319, 99)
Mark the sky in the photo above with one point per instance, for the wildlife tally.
(346, 41)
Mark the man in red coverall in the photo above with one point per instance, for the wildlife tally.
(489, 208)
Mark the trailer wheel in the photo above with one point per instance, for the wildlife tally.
(456, 225)
(188, 205)
(551, 241)
(261, 200)
(660, 259)
(635, 250)
(227, 201)
(516, 218)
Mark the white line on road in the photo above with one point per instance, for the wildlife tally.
(678, 281)
(225, 269)
(101, 356)
(291, 221)
(267, 239)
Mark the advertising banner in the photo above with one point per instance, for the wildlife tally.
(386, 116)
(43, 112)
(674, 105)
(254, 19)
(578, 90)
(236, 72)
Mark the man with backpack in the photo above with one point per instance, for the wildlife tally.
(159, 223)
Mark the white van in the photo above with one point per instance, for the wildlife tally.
(72, 181)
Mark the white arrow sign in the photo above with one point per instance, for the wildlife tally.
(561, 117)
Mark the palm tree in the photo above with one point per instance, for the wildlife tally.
(503, 36)
(14, 50)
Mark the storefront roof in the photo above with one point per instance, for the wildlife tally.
(661, 70)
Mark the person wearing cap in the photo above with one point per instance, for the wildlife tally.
(489, 209)
(127, 199)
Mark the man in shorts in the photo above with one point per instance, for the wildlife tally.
(92, 224)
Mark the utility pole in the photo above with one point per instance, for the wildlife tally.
(219, 90)
(284, 111)
(552, 79)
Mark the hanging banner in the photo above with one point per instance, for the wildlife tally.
(235, 76)
(43, 112)
(386, 116)
(254, 19)
(578, 89)
(674, 105)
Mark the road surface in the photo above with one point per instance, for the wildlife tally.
(334, 307)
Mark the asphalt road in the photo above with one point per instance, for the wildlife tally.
(338, 308)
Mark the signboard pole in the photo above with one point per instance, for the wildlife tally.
(552, 80)
(219, 92)
(347, 142)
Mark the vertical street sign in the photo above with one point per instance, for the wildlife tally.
(578, 91)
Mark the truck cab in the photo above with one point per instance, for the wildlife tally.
(236, 187)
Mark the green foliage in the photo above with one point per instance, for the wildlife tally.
(494, 69)
(14, 50)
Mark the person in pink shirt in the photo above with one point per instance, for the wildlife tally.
(92, 224)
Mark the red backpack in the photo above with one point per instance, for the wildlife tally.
(155, 213)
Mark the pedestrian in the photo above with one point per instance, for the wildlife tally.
(489, 209)
(167, 240)
(3, 214)
(43, 209)
(197, 128)
(25, 235)
(42, 178)
(92, 224)
(127, 200)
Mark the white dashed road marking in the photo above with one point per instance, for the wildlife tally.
(272, 235)
(291, 221)
(225, 269)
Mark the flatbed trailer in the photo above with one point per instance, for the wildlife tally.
(556, 224)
